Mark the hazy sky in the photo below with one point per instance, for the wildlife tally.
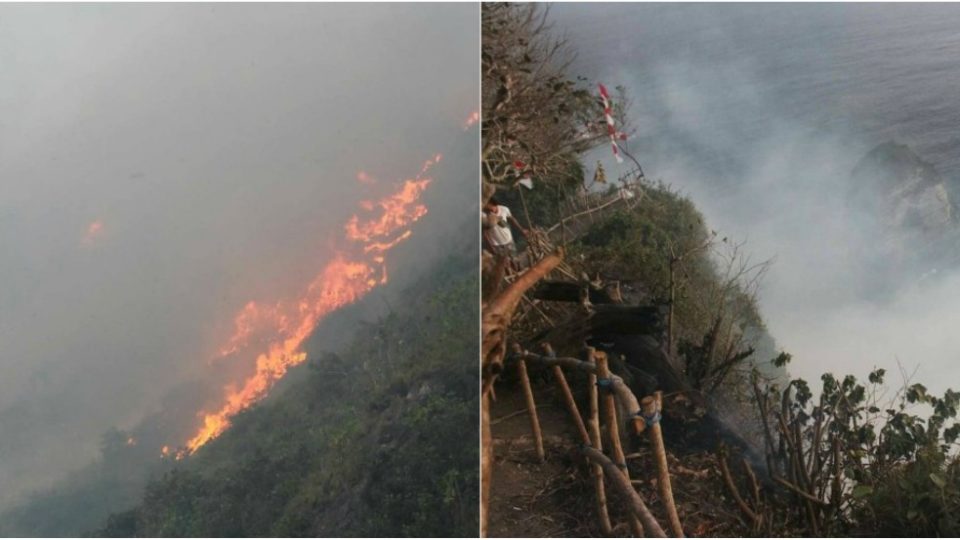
(161, 165)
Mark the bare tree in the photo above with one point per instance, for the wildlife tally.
(536, 120)
(727, 306)
(674, 264)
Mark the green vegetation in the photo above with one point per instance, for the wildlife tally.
(879, 468)
(82, 501)
(380, 440)
(664, 245)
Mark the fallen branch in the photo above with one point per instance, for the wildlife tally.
(753, 516)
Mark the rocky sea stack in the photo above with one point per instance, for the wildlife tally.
(903, 191)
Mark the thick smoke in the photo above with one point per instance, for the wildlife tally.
(760, 114)
(161, 165)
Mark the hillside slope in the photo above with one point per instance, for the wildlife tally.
(379, 440)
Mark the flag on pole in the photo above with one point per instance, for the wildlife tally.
(611, 129)
(525, 181)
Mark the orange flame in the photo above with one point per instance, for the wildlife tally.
(94, 230)
(471, 120)
(343, 281)
(364, 178)
(251, 319)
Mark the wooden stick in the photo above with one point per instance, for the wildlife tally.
(794, 488)
(652, 405)
(613, 430)
(620, 481)
(597, 444)
(571, 363)
(628, 401)
(568, 399)
(753, 482)
(531, 409)
(732, 487)
(624, 395)
(536, 308)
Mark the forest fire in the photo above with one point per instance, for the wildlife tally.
(471, 120)
(357, 268)
(94, 230)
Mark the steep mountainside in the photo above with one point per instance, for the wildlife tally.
(379, 440)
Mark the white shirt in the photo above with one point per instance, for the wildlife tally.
(498, 233)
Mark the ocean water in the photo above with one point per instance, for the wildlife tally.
(759, 113)
(867, 71)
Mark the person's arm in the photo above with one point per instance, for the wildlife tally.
(513, 221)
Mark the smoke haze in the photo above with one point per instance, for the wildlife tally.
(162, 165)
(760, 113)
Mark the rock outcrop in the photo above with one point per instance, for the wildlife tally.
(907, 194)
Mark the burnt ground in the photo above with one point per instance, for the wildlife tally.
(556, 498)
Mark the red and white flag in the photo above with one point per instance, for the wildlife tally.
(526, 181)
(611, 129)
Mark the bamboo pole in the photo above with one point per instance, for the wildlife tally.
(568, 399)
(497, 313)
(620, 481)
(597, 444)
(613, 430)
(531, 408)
(652, 405)
(562, 361)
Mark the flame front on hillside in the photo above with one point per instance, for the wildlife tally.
(356, 269)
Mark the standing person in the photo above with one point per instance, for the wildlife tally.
(496, 230)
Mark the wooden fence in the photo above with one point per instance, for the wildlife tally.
(605, 390)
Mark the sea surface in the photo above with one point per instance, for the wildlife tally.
(759, 113)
